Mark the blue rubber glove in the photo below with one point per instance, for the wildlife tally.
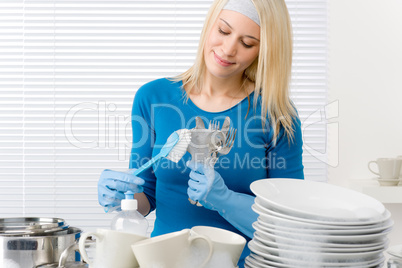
(113, 184)
(208, 188)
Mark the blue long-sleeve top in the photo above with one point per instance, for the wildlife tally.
(159, 109)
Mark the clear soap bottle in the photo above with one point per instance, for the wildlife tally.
(129, 220)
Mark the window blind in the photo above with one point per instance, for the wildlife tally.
(69, 71)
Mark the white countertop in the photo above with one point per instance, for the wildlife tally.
(371, 187)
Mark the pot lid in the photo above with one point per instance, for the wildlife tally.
(30, 223)
(30, 226)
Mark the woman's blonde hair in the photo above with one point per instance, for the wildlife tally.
(270, 72)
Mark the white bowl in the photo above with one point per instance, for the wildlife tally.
(317, 200)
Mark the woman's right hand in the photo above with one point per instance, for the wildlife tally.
(113, 184)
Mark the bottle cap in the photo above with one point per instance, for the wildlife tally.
(129, 203)
(129, 195)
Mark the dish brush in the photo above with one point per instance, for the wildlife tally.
(174, 149)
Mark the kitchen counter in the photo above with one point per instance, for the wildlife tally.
(384, 194)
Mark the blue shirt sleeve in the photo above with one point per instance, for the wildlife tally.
(285, 157)
(143, 139)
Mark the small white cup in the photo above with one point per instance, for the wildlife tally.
(226, 243)
(389, 168)
(113, 249)
(172, 250)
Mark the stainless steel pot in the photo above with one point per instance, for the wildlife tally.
(31, 251)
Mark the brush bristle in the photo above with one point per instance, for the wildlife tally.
(181, 146)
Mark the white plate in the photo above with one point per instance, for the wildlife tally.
(313, 244)
(363, 231)
(284, 220)
(318, 201)
(328, 238)
(324, 248)
(252, 262)
(311, 256)
(341, 239)
(343, 225)
(261, 252)
(255, 260)
(258, 260)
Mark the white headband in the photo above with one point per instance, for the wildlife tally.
(245, 7)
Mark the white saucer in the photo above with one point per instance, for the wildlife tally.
(384, 182)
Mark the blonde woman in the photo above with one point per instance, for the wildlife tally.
(242, 71)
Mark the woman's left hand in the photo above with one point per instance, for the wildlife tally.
(208, 188)
(205, 185)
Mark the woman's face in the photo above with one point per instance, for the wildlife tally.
(232, 45)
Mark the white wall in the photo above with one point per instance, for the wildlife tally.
(365, 77)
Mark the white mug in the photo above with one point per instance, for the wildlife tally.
(113, 249)
(228, 245)
(172, 250)
(389, 168)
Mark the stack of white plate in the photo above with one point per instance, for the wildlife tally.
(314, 224)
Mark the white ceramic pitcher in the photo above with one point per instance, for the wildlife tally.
(113, 249)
